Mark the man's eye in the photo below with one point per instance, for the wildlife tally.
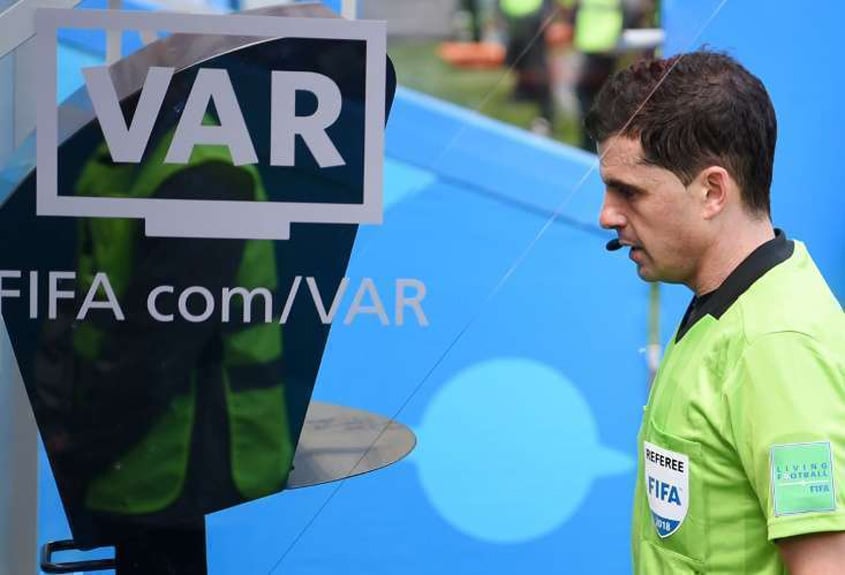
(626, 192)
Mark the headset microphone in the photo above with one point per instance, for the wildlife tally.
(613, 245)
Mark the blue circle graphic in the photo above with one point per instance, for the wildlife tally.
(508, 450)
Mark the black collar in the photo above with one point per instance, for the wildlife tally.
(752, 268)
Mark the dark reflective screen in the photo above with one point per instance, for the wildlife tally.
(170, 377)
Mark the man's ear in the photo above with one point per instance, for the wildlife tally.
(714, 186)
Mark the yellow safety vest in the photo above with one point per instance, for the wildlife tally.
(598, 25)
(520, 8)
(151, 475)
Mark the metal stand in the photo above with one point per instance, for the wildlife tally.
(50, 566)
(155, 551)
(164, 551)
(336, 443)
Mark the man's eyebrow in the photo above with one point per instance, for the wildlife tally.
(619, 184)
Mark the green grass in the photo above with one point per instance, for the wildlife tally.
(486, 91)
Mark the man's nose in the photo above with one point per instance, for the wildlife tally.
(611, 216)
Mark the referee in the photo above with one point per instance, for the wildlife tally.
(742, 444)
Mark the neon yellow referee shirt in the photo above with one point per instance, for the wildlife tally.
(743, 437)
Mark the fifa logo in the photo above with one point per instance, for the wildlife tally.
(663, 491)
(667, 482)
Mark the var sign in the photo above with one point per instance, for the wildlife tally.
(213, 86)
(298, 102)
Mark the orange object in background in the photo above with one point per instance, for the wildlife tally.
(472, 54)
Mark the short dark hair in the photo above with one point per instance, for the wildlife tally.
(690, 111)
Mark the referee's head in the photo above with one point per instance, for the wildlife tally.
(687, 146)
(690, 111)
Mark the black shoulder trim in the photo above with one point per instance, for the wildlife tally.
(752, 268)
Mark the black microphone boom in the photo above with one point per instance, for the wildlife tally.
(613, 245)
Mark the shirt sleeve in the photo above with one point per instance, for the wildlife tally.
(786, 401)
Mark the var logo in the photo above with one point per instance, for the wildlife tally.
(213, 86)
(298, 103)
(667, 487)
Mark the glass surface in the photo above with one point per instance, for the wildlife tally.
(170, 377)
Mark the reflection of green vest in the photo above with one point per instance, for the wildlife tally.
(151, 475)
(598, 25)
(520, 8)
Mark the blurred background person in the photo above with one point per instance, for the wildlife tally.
(597, 28)
(472, 9)
(527, 55)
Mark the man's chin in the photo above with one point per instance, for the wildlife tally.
(650, 275)
(646, 274)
